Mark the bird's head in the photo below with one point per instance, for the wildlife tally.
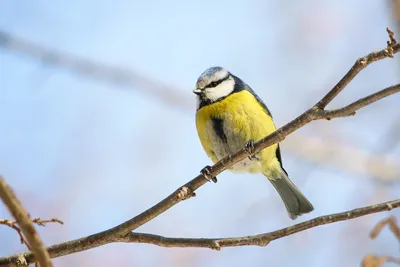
(214, 84)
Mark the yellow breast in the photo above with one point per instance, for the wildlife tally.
(244, 119)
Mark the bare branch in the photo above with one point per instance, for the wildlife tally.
(377, 261)
(393, 226)
(212, 243)
(351, 109)
(360, 64)
(261, 239)
(35, 244)
(317, 112)
(122, 232)
(170, 96)
(41, 222)
(14, 225)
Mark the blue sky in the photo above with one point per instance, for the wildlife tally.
(95, 154)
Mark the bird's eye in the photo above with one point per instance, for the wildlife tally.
(213, 84)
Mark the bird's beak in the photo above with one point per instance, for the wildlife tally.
(197, 91)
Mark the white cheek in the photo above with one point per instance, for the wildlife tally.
(221, 90)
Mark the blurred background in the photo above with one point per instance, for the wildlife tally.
(97, 123)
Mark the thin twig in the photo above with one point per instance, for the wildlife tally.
(212, 243)
(393, 226)
(261, 239)
(391, 43)
(170, 96)
(371, 260)
(41, 222)
(317, 112)
(14, 225)
(16, 209)
(351, 109)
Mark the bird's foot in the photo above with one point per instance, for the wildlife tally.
(250, 149)
(206, 172)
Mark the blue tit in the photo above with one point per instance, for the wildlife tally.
(230, 116)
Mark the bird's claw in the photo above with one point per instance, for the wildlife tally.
(206, 172)
(250, 148)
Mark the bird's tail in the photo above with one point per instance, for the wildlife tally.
(295, 202)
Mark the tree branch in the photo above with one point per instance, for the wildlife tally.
(35, 244)
(351, 109)
(371, 260)
(317, 112)
(261, 239)
(170, 96)
(14, 225)
(392, 224)
(212, 243)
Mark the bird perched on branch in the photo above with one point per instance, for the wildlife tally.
(231, 116)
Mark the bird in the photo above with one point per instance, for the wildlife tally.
(231, 116)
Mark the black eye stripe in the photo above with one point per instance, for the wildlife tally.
(216, 83)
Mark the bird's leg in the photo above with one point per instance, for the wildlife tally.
(250, 149)
(206, 173)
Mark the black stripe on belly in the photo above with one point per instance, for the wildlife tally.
(218, 125)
